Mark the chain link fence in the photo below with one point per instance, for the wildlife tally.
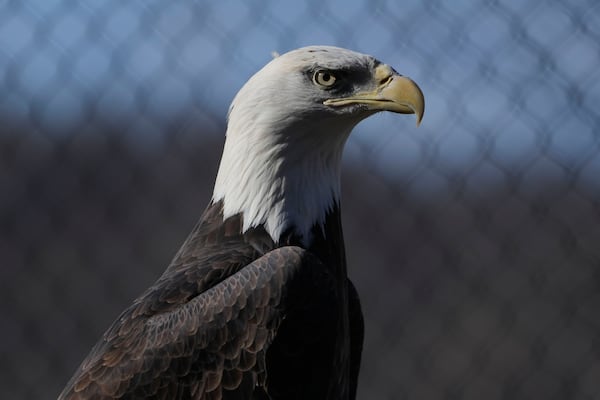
(474, 240)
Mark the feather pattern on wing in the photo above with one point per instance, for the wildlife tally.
(203, 329)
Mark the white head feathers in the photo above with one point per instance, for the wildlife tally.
(282, 155)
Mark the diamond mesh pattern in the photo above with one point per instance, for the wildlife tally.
(474, 241)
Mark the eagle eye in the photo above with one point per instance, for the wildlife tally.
(324, 78)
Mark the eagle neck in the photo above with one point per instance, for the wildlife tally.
(280, 180)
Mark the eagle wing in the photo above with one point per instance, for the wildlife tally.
(204, 339)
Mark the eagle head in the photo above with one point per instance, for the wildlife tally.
(287, 129)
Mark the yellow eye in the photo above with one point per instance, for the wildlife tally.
(324, 78)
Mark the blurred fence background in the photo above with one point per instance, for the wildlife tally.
(474, 241)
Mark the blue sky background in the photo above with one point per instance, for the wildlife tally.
(511, 87)
(473, 239)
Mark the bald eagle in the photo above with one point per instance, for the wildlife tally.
(257, 303)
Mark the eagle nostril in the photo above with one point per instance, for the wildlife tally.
(386, 80)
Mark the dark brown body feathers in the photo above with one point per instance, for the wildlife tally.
(235, 316)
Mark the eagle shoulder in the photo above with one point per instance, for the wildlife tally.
(201, 343)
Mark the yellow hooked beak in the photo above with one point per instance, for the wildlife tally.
(394, 93)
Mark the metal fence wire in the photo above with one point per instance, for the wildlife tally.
(474, 240)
